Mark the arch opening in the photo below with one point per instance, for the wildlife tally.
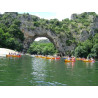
(42, 46)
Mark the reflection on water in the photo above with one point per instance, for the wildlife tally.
(70, 64)
(89, 64)
(36, 71)
(39, 72)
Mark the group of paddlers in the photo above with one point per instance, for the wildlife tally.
(73, 59)
(13, 55)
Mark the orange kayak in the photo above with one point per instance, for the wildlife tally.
(52, 57)
(16, 55)
(8, 55)
(13, 55)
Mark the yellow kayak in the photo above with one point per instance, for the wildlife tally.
(77, 58)
(43, 57)
(38, 56)
(69, 60)
(48, 57)
(88, 61)
(85, 60)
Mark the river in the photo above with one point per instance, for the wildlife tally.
(28, 71)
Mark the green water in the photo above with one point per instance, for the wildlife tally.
(27, 71)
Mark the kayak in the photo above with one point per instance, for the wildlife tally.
(43, 57)
(69, 60)
(13, 55)
(78, 58)
(64, 58)
(52, 57)
(48, 57)
(88, 61)
(8, 55)
(57, 58)
(39, 56)
(16, 55)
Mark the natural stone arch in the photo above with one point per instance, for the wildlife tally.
(30, 36)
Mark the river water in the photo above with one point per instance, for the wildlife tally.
(28, 71)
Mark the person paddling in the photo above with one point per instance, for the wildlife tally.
(92, 60)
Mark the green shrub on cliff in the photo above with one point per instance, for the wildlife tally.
(88, 48)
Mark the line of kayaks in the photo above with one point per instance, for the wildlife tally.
(66, 60)
(85, 60)
(49, 57)
(82, 59)
(13, 55)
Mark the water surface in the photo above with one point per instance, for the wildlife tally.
(28, 71)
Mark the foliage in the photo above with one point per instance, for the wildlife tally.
(42, 47)
(88, 48)
(10, 34)
(80, 51)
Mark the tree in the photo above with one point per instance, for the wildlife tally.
(94, 50)
(80, 51)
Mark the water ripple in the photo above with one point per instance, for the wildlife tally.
(43, 83)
